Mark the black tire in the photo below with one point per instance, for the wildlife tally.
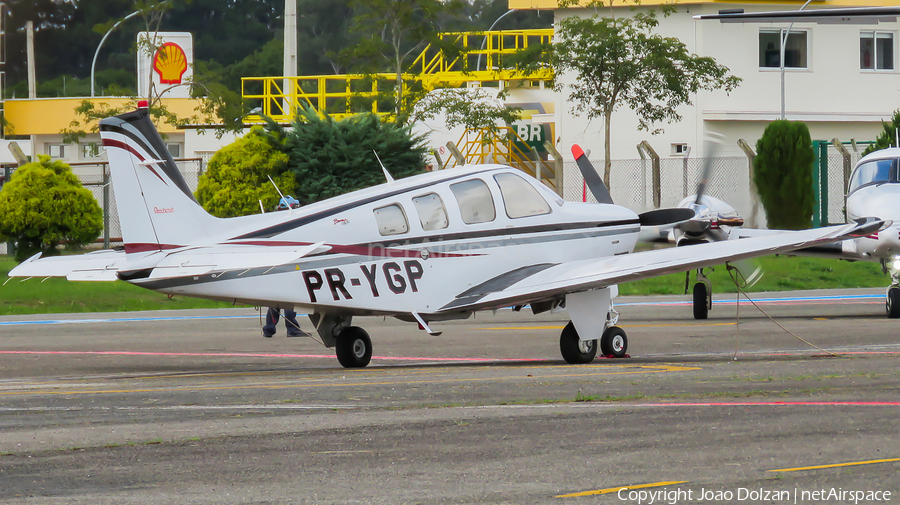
(892, 303)
(353, 347)
(573, 349)
(614, 342)
(701, 308)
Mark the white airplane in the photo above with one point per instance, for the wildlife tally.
(430, 247)
(874, 191)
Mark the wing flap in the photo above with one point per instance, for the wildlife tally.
(596, 273)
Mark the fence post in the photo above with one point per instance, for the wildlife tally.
(557, 166)
(754, 194)
(845, 154)
(820, 183)
(654, 163)
(460, 160)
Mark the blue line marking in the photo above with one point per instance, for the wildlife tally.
(787, 299)
(121, 320)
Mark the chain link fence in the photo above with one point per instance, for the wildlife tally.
(631, 182)
(95, 177)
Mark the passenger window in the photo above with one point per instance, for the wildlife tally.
(432, 213)
(475, 202)
(519, 197)
(391, 220)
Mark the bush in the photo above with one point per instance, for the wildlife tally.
(237, 177)
(888, 137)
(329, 157)
(784, 175)
(44, 205)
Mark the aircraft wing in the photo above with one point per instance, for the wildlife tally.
(545, 281)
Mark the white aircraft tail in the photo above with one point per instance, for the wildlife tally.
(156, 208)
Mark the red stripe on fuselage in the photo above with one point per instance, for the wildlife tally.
(134, 248)
(382, 252)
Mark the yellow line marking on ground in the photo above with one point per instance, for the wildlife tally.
(820, 319)
(617, 489)
(623, 326)
(640, 369)
(837, 465)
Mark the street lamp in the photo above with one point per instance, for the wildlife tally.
(781, 60)
(97, 52)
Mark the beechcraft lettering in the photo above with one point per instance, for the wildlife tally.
(491, 236)
(397, 279)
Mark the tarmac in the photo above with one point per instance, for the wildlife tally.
(196, 407)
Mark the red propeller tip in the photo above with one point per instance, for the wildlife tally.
(577, 152)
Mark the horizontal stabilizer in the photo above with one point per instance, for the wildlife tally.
(95, 266)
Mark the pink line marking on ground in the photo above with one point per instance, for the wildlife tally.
(260, 355)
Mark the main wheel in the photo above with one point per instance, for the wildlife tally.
(353, 347)
(892, 303)
(614, 342)
(701, 305)
(573, 349)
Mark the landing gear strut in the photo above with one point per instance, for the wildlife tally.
(892, 298)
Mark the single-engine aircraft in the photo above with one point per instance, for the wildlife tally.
(427, 248)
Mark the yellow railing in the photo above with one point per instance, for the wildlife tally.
(505, 147)
(480, 60)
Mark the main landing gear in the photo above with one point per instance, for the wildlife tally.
(702, 302)
(613, 343)
(351, 344)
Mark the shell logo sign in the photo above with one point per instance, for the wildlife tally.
(170, 63)
(165, 60)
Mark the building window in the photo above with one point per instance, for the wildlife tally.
(876, 51)
(174, 150)
(56, 151)
(795, 51)
(90, 151)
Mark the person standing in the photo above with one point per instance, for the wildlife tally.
(272, 315)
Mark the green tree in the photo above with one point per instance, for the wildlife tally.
(888, 136)
(783, 174)
(237, 177)
(329, 157)
(620, 61)
(44, 205)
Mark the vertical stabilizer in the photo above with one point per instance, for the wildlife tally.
(156, 208)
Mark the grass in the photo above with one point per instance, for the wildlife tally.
(782, 273)
(55, 296)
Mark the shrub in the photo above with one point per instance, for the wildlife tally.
(784, 174)
(237, 177)
(888, 136)
(44, 205)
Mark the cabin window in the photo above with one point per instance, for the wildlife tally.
(432, 213)
(795, 51)
(519, 197)
(873, 172)
(876, 51)
(475, 202)
(391, 220)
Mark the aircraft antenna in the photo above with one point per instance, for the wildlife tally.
(387, 175)
(276, 186)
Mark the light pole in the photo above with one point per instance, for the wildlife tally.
(478, 63)
(97, 52)
(781, 59)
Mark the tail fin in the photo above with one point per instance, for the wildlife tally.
(156, 208)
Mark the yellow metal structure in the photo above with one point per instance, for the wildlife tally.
(505, 148)
(480, 61)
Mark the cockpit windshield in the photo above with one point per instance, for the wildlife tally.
(874, 172)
